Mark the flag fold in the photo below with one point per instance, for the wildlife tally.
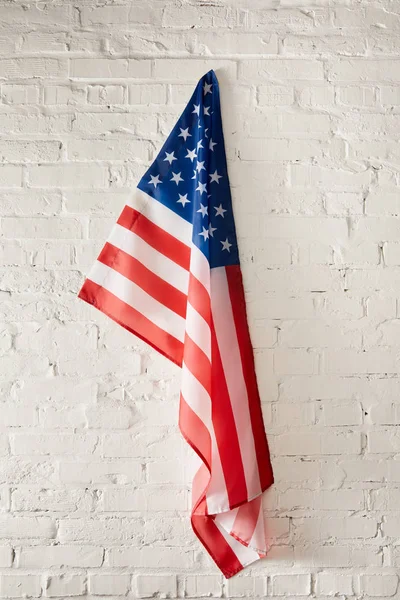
(169, 273)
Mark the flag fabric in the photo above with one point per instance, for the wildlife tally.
(169, 273)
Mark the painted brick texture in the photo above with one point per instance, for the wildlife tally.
(94, 476)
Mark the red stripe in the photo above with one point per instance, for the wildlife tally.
(132, 320)
(195, 432)
(236, 292)
(134, 270)
(246, 520)
(216, 545)
(213, 380)
(225, 430)
(156, 237)
(197, 363)
(199, 298)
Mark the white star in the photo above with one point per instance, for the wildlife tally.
(205, 233)
(169, 156)
(196, 109)
(155, 180)
(220, 211)
(176, 177)
(184, 133)
(226, 245)
(200, 166)
(195, 174)
(183, 200)
(203, 210)
(211, 145)
(215, 177)
(207, 88)
(191, 154)
(201, 187)
(205, 132)
(199, 145)
(206, 109)
(211, 230)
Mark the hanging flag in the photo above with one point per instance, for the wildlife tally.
(169, 273)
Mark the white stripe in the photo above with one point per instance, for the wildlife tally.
(258, 538)
(225, 330)
(155, 261)
(244, 554)
(200, 267)
(199, 401)
(198, 330)
(133, 295)
(162, 216)
(227, 519)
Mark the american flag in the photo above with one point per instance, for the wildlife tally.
(169, 273)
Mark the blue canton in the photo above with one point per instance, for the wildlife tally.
(190, 175)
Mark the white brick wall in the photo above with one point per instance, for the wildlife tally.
(94, 477)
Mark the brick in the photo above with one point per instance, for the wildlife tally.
(26, 151)
(304, 334)
(364, 70)
(353, 361)
(45, 444)
(39, 227)
(10, 176)
(50, 557)
(33, 15)
(39, 124)
(50, 500)
(20, 586)
(106, 94)
(295, 585)
(149, 585)
(285, 69)
(6, 556)
(116, 471)
(35, 41)
(330, 584)
(243, 43)
(81, 150)
(24, 68)
(150, 94)
(316, 97)
(67, 176)
(356, 96)
(27, 527)
(275, 95)
(107, 68)
(379, 585)
(151, 557)
(185, 16)
(142, 13)
(382, 203)
(62, 94)
(238, 587)
(133, 123)
(19, 94)
(109, 584)
(341, 414)
(383, 441)
(330, 179)
(254, 149)
(111, 531)
(65, 585)
(191, 69)
(290, 414)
